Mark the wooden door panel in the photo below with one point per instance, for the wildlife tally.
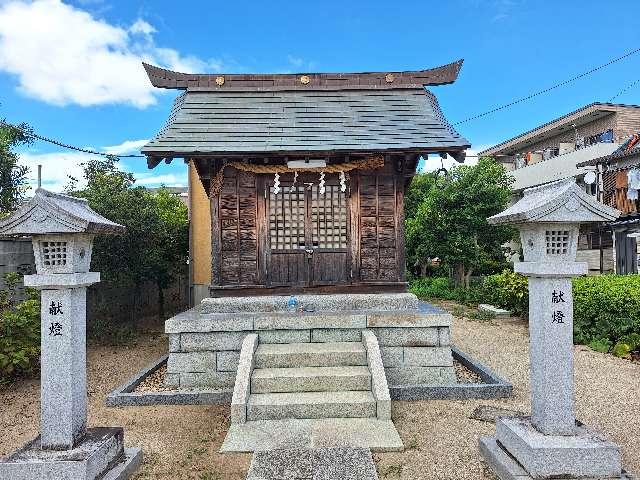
(287, 262)
(329, 267)
(288, 269)
(329, 235)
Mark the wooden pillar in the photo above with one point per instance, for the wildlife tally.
(262, 227)
(354, 221)
(400, 244)
(216, 241)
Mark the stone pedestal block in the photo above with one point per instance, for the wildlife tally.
(63, 385)
(414, 336)
(551, 351)
(583, 454)
(99, 455)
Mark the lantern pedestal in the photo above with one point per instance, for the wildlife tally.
(99, 455)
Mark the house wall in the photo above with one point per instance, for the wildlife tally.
(586, 130)
(200, 238)
(624, 121)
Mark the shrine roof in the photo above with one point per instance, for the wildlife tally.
(304, 122)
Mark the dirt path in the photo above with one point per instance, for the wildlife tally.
(182, 442)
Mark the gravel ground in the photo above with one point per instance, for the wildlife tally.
(441, 440)
(182, 442)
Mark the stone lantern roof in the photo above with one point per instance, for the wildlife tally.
(558, 202)
(49, 212)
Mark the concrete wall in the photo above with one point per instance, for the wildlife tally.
(104, 303)
(199, 238)
(16, 256)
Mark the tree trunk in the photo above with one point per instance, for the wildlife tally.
(160, 302)
(467, 278)
(458, 274)
(423, 269)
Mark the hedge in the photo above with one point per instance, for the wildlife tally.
(606, 307)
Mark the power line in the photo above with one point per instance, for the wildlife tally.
(480, 115)
(58, 143)
(624, 90)
(546, 90)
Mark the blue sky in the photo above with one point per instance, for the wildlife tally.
(71, 69)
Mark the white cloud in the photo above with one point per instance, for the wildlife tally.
(58, 167)
(126, 147)
(167, 179)
(64, 55)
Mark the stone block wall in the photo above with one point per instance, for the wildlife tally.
(204, 348)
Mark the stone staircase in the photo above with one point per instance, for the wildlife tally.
(311, 380)
(311, 395)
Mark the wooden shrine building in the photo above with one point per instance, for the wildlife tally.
(305, 173)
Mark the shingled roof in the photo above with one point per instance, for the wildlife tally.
(291, 114)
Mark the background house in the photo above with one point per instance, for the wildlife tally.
(566, 148)
(614, 189)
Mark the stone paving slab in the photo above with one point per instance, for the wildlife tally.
(313, 464)
(254, 436)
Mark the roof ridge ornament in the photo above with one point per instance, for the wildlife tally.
(163, 78)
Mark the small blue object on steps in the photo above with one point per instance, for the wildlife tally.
(292, 304)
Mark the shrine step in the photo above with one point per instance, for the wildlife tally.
(310, 379)
(330, 354)
(277, 406)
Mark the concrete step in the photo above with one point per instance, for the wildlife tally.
(290, 355)
(310, 379)
(277, 406)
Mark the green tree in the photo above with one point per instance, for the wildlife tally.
(13, 177)
(155, 245)
(450, 220)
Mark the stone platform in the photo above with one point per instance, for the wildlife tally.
(261, 435)
(100, 455)
(414, 337)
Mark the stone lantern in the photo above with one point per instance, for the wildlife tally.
(551, 443)
(62, 229)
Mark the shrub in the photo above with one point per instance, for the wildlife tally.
(607, 307)
(442, 288)
(601, 345)
(507, 290)
(19, 331)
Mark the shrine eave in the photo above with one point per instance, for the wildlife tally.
(163, 78)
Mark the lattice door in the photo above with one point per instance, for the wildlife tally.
(308, 235)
